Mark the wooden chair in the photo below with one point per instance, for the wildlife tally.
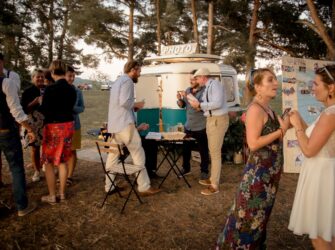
(119, 169)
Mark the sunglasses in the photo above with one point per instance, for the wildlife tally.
(324, 69)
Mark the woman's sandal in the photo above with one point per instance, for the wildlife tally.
(69, 181)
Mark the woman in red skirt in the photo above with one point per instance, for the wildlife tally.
(57, 105)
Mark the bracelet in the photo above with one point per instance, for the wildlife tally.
(281, 132)
(299, 130)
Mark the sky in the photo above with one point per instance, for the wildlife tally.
(110, 69)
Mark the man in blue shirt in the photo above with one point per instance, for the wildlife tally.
(121, 124)
(195, 127)
(214, 105)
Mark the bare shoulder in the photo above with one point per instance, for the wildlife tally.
(254, 110)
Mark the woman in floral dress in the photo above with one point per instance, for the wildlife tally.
(245, 227)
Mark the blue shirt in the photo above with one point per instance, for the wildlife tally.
(214, 99)
(78, 108)
(121, 103)
(195, 119)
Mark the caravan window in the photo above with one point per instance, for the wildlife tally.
(229, 86)
(228, 83)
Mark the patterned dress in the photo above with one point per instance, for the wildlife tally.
(245, 227)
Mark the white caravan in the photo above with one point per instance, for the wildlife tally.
(159, 83)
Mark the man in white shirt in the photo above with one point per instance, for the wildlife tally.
(121, 124)
(214, 105)
(11, 113)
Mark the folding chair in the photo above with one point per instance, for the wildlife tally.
(120, 169)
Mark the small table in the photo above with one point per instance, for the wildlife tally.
(171, 154)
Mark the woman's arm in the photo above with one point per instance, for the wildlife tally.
(320, 134)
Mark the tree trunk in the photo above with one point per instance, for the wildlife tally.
(250, 58)
(252, 43)
(131, 30)
(50, 28)
(158, 31)
(195, 26)
(322, 32)
(64, 31)
(333, 20)
(210, 35)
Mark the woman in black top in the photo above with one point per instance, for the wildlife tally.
(57, 105)
(31, 102)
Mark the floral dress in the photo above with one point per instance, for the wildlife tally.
(245, 227)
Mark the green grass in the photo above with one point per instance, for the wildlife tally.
(96, 110)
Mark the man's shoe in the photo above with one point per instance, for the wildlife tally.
(206, 182)
(36, 177)
(150, 191)
(209, 190)
(204, 176)
(184, 173)
(31, 207)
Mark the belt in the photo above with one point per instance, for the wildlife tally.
(4, 130)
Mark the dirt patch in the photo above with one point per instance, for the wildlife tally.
(177, 218)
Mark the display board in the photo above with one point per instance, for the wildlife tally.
(298, 75)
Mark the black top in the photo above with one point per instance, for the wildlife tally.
(28, 96)
(58, 101)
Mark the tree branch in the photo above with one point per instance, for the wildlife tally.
(263, 41)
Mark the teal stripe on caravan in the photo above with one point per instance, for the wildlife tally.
(171, 117)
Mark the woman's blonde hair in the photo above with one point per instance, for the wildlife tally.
(35, 72)
(254, 77)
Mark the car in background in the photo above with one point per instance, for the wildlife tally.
(106, 86)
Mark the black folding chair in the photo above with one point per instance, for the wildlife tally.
(120, 169)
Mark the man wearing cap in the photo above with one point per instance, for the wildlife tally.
(214, 105)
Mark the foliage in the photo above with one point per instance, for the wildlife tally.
(235, 136)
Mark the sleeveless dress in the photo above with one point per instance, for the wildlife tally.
(245, 227)
(313, 210)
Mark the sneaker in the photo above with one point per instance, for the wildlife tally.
(204, 176)
(31, 207)
(49, 199)
(206, 182)
(209, 190)
(36, 177)
(183, 173)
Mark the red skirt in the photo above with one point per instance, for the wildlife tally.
(57, 143)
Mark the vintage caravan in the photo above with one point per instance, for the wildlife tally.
(160, 81)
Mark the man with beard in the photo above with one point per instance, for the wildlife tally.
(121, 124)
(195, 127)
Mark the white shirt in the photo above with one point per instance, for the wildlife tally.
(121, 104)
(14, 76)
(10, 90)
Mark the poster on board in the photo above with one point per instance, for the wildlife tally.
(297, 82)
